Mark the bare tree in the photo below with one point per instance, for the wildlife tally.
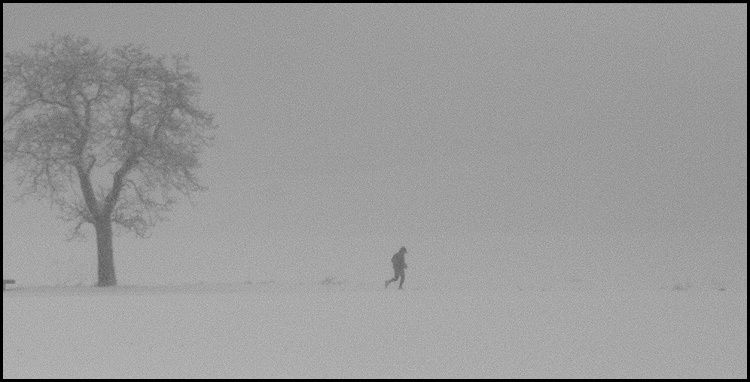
(107, 136)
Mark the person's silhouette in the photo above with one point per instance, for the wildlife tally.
(399, 265)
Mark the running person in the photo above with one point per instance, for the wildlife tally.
(399, 265)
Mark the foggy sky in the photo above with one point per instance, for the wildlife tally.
(501, 144)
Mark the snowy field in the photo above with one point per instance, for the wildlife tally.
(312, 330)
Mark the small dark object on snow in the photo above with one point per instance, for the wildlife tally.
(399, 265)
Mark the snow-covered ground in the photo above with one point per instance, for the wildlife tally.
(275, 330)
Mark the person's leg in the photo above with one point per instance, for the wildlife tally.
(402, 273)
(395, 277)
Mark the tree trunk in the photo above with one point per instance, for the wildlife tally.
(105, 255)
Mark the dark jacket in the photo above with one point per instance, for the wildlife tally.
(398, 260)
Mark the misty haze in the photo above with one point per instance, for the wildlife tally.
(375, 191)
